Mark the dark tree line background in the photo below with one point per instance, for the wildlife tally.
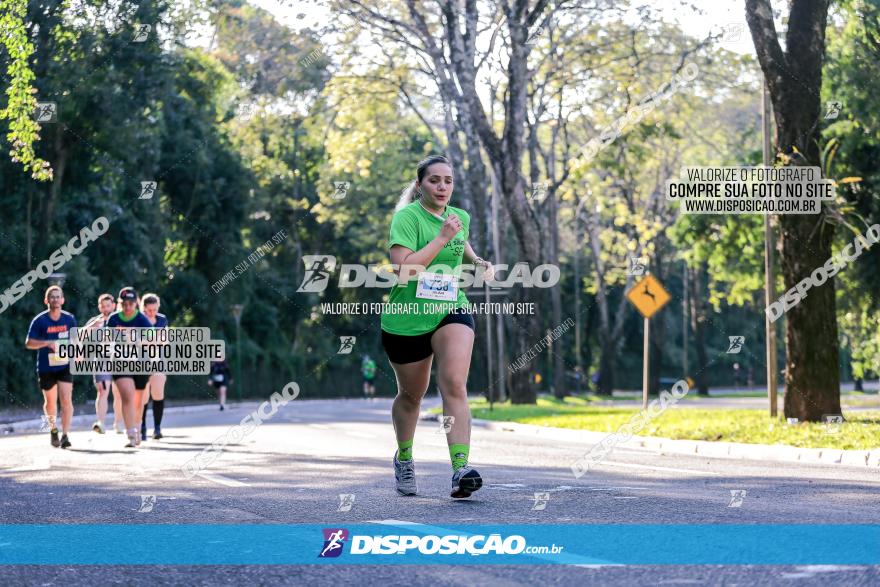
(247, 132)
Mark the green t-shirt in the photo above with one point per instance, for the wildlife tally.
(414, 227)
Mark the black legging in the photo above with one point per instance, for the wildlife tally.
(158, 410)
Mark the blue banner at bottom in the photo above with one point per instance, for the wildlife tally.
(404, 543)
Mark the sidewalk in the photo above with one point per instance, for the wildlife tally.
(731, 450)
(84, 421)
(859, 403)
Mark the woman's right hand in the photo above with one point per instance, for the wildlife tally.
(451, 227)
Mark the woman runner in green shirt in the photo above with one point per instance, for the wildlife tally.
(428, 233)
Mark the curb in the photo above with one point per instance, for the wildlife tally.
(730, 450)
(86, 420)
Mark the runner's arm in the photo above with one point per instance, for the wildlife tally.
(34, 344)
(34, 340)
(471, 257)
(400, 255)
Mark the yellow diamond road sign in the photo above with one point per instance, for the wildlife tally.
(648, 296)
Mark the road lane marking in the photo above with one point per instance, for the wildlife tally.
(222, 480)
(37, 465)
(613, 488)
(654, 468)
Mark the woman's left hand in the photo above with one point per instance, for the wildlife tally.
(489, 271)
(489, 275)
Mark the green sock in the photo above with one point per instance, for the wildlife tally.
(459, 455)
(404, 450)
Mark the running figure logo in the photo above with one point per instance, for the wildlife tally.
(637, 266)
(446, 424)
(832, 423)
(148, 190)
(346, 500)
(832, 109)
(736, 344)
(539, 191)
(318, 269)
(148, 502)
(541, 499)
(438, 112)
(736, 498)
(732, 32)
(534, 36)
(341, 189)
(245, 110)
(142, 31)
(346, 345)
(46, 112)
(334, 539)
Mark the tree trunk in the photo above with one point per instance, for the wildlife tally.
(812, 374)
(559, 381)
(47, 211)
(608, 345)
(606, 367)
(794, 79)
(478, 186)
(506, 150)
(698, 325)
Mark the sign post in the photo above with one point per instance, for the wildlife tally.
(236, 313)
(648, 296)
(646, 351)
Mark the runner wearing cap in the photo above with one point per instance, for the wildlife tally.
(156, 387)
(53, 372)
(104, 381)
(131, 387)
(426, 231)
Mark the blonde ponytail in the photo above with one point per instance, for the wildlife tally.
(407, 196)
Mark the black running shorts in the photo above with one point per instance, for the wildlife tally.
(48, 379)
(140, 381)
(410, 349)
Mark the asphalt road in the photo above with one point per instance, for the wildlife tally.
(292, 470)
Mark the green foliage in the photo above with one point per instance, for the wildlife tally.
(21, 104)
(852, 78)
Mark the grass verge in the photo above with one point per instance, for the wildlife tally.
(861, 431)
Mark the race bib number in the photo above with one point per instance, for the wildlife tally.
(54, 359)
(217, 377)
(437, 286)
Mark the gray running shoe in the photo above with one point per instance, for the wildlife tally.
(405, 474)
(465, 481)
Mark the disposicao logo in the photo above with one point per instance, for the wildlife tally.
(334, 538)
(448, 544)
